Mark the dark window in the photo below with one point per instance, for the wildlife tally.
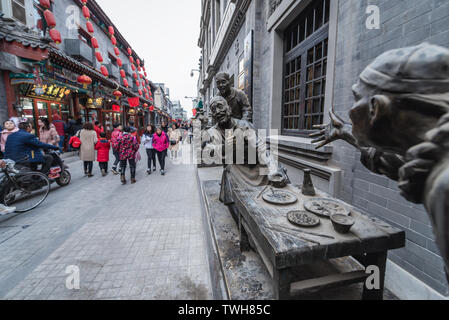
(18, 10)
(306, 42)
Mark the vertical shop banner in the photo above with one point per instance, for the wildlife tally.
(248, 65)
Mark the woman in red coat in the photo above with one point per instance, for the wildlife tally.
(103, 148)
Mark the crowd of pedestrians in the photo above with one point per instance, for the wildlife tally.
(90, 140)
(20, 141)
(159, 143)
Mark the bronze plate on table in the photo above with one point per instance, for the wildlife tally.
(280, 197)
(326, 207)
(303, 219)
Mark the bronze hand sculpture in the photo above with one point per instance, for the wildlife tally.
(400, 123)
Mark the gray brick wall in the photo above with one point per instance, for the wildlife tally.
(403, 23)
(63, 15)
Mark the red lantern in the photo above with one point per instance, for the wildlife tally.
(135, 75)
(39, 24)
(145, 73)
(104, 71)
(84, 2)
(130, 52)
(131, 59)
(94, 42)
(117, 51)
(151, 108)
(90, 27)
(45, 3)
(50, 18)
(114, 41)
(140, 92)
(117, 94)
(145, 105)
(194, 112)
(119, 62)
(84, 80)
(138, 84)
(133, 67)
(111, 30)
(55, 36)
(125, 83)
(122, 73)
(143, 68)
(147, 97)
(86, 12)
(99, 56)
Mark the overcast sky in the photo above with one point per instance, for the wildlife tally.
(165, 34)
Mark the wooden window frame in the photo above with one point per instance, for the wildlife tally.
(296, 107)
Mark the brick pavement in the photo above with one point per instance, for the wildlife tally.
(142, 241)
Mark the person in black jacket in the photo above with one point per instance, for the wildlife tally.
(73, 128)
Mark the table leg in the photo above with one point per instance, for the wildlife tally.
(379, 260)
(244, 239)
(282, 282)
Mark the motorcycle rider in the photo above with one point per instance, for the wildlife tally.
(25, 148)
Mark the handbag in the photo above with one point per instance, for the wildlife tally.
(173, 142)
(138, 156)
(75, 141)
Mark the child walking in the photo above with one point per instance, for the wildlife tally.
(103, 148)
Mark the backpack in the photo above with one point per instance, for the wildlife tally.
(75, 141)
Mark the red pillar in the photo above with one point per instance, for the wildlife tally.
(10, 95)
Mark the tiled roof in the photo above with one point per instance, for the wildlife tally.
(11, 31)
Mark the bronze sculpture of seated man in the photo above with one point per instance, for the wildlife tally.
(400, 123)
(237, 145)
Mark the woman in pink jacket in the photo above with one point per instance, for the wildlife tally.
(48, 133)
(161, 144)
(9, 128)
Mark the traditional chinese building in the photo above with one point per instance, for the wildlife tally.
(40, 78)
(298, 59)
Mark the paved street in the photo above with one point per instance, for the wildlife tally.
(142, 241)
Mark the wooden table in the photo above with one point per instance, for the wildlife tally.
(284, 247)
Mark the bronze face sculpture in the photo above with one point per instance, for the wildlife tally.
(237, 99)
(240, 137)
(400, 123)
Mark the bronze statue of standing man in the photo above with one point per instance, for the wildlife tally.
(237, 99)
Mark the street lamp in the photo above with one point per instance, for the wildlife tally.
(192, 72)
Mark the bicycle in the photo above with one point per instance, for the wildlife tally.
(23, 190)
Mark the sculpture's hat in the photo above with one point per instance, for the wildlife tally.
(420, 69)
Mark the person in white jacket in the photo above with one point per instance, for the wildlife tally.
(147, 141)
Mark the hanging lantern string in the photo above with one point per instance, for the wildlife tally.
(93, 40)
(117, 53)
(55, 35)
(99, 57)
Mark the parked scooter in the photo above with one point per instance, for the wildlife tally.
(59, 172)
